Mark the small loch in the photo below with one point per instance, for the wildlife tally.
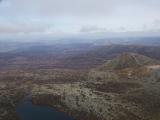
(28, 111)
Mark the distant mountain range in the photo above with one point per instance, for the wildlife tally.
(73, 55)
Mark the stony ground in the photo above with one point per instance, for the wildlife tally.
(127, 97)
(125, 94)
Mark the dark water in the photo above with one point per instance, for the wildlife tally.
(27, 111)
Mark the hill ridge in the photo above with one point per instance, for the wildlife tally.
(128, 60)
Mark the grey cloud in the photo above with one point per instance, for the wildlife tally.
(71, 7)
(90, 29)
(157, 22)
(22, 27)
(58, 7)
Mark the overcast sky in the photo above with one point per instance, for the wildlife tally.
(57, 17)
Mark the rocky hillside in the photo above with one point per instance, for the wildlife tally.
(128, 60)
